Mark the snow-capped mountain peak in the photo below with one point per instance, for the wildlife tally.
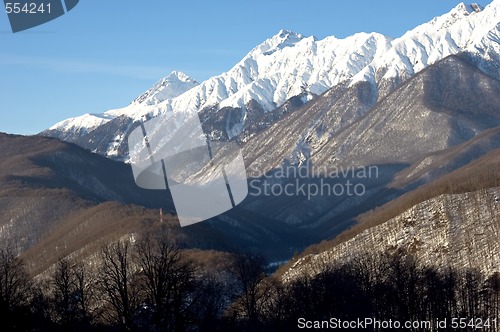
(459, 30)
(284, 38)
(466, 9)
(457, 14)
(171, 86)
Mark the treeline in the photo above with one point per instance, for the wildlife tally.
(392, 287)
(154, 286)
(151, 285)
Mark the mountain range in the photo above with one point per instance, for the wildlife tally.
(290, 65)
(414, 108)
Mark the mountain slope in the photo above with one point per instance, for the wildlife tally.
(450, 230)
(448, 104)
(45, 183)
(58, 199)
(454, 221)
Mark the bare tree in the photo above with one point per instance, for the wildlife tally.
(14, 282)
(85, 285)
(248, 270)
(118, 284)
(210, 299)
(72, 295)
(169, 281)
(15, 289)
(492, 300)
(65, 310)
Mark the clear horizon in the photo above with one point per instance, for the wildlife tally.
(102, 55)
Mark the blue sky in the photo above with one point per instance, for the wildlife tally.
(104, 53)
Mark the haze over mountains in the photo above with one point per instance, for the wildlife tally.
(415, 107)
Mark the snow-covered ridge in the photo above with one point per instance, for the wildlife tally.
(171, 86)
(290, 64)
(82, 124)
(464, 28)
(168, 87)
